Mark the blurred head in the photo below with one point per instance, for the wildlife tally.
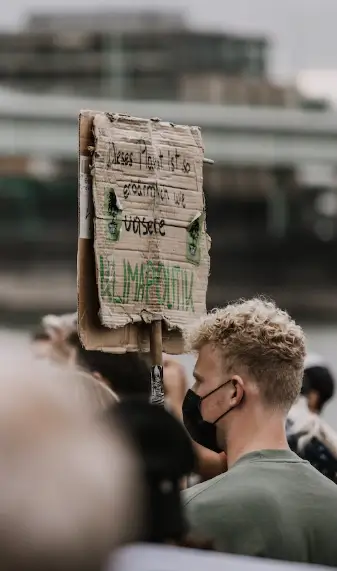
(50, 340)
(67, 488)
(249, 370)
(100, 396)
(126, 374)
(318, 383)
(64, 324)
(41, 344)
(98, 392)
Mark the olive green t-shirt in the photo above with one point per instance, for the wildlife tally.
(269, 504)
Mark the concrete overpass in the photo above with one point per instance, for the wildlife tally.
(46, 126)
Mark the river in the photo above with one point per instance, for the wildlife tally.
(321, 339)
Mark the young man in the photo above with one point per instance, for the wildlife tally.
(269, 503)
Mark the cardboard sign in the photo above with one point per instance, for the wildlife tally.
(147, 230)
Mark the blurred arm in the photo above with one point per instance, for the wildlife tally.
(210, 464)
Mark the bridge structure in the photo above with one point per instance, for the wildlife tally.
(47, 126)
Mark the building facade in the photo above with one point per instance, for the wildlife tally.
(149, 55)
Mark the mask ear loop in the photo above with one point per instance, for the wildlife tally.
(214, 391)
(224, 414)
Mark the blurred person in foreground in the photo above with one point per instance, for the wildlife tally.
(166, 456)
(270, 503)
(308, 434)
(69, 491)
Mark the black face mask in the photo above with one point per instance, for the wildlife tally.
(201, 431)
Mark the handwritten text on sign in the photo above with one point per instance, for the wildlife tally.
(172, 285)
(144, 159)
(150, 241)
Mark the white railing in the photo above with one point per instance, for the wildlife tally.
(232, 118)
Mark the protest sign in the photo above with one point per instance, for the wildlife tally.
(145, 223)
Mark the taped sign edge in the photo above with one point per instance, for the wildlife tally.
(85, 199)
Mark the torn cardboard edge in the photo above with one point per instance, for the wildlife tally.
(93, 335)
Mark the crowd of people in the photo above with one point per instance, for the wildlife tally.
(241, 462)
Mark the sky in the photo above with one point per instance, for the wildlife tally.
(302, 32)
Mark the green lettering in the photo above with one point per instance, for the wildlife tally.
(116, 298)
(173, 283)
(183, 282)
(167, 288)
(186, 289)
(175, 286)
(125, 283)
(141, 284)
(132, 277)
(149, 279)
(107, 279)
(189, 294)
(159, 283)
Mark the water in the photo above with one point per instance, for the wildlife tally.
(321, 339)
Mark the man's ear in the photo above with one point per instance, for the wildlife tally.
(237, 390)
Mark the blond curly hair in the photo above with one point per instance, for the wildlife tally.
(257, 336)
